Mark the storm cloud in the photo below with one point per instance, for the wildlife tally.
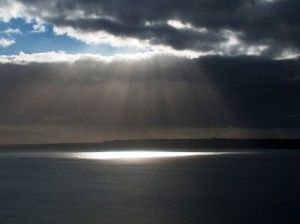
(235, 27)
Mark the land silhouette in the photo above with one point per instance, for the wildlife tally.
(182, 144)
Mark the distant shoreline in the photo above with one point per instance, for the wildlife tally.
(164, 143)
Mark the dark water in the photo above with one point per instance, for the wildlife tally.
(260, 187)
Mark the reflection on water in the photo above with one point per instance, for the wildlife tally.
(117, 155)
(137, 154)
(76, 187)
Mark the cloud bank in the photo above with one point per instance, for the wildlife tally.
(235, 27)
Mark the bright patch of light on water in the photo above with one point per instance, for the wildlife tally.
(119, 155)
(137, 154)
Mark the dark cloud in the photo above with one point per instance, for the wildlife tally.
(159, 33)
(158, 92)
(272, 23)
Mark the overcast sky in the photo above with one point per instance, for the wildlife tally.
(150, 64)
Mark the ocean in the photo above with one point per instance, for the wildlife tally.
(207, 187)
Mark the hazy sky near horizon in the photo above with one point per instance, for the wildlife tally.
(166, 63)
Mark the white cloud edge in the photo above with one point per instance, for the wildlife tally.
(63, 57)
(60, 56)
(288, 54)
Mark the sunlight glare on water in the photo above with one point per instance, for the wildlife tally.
(137, 154)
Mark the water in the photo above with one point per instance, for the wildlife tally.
(210, 187)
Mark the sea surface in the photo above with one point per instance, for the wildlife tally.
(207, 187)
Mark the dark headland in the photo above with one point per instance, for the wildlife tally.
(182, 144)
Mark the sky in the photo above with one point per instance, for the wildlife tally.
(90, 70)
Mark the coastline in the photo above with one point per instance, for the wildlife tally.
(182, 144)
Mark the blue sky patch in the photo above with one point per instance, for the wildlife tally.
(29, 41)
